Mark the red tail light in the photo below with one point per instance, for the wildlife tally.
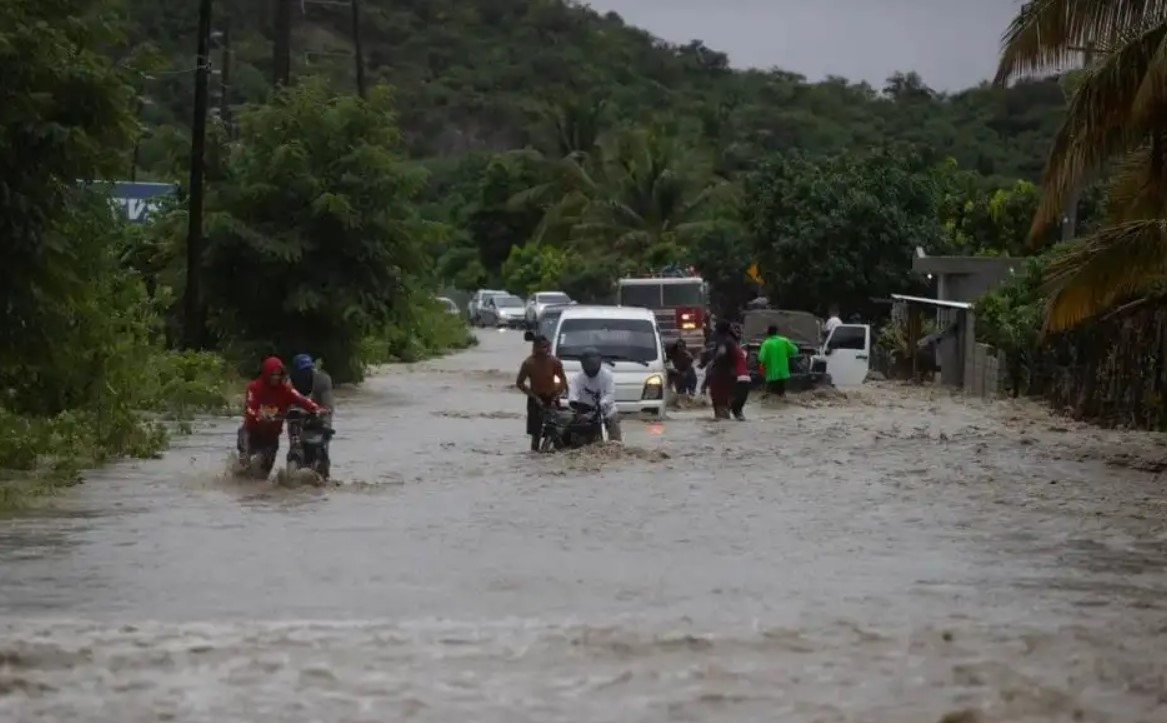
(689, 317)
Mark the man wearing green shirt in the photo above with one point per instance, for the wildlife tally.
(774, 356)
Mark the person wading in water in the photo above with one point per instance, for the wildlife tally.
(542, 379)
(720, 362)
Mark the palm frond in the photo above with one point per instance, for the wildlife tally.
(1150, 101)
(1111, 266)
(1047, 35)
(1097, 127)
(1137, 186)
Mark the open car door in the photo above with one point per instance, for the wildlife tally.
(848, 354)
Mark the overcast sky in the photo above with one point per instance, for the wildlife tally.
(952, 44)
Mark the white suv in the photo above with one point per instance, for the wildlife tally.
(477, 301)
(540, 300)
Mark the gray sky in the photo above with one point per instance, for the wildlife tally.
(952, 44)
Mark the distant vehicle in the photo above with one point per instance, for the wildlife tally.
(678, 302)
(502, 310)
(843, 360)
(549, 319)
(630, 343)
(474, 306)
(540, 300)
(449, 305)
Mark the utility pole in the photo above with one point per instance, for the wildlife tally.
(282, 59)
(358, 54)
(192, 301)
(1070, 212)
(225, 76)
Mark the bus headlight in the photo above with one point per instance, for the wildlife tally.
(653, 387)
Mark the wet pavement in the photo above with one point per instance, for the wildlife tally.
(889, 555)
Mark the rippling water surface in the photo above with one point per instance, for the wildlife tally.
(891, 555)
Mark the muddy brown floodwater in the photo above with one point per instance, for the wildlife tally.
(892, 555)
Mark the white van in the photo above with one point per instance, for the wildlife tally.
(629, 341)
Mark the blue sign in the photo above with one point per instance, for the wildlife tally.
(137, 200)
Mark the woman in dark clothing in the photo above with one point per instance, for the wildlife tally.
(720, 362)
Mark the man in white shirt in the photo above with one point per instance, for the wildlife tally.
(597, 379)
(832, 321)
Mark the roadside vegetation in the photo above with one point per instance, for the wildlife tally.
(535, 144)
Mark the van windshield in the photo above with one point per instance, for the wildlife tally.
(617, 339)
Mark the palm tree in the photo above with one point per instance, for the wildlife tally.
(641, 194)
(1116, 123)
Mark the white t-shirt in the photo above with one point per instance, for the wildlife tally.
(581, 387)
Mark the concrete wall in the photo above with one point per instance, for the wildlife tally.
(964, 278)
(985, 374)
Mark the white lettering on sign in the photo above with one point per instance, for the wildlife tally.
(136, 208)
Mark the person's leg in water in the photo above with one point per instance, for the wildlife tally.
(267, 447)
(776, 387)
(689, 381)
(534, 423)
(741, 393)
(720, 394)
(615, 434)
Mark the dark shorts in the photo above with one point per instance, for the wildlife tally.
(534, 417)
(776, 386)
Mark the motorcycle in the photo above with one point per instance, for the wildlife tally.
(308, 437)
(580, 425)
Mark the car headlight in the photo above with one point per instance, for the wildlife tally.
(653, 387)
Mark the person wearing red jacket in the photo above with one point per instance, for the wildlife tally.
(741, 389)
(268, 397)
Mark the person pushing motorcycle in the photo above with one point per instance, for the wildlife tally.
(268, 397)
(594, 381)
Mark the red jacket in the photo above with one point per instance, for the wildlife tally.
(741, 365)
(265, 399)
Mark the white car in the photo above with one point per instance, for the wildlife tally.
(540, 300)
(629, 341)
(448, 305)
(503, 310)
(474, 306)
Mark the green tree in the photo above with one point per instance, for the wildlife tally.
(842, 230)
(63, 117)
(643, 196)
(315, 243)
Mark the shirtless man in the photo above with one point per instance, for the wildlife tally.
(542, 379)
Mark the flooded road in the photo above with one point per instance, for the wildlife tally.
(895, 555)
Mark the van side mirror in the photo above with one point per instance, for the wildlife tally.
(528, 336)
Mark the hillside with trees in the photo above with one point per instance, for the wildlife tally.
(479, 77)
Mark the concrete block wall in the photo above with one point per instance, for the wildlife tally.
(985, 377)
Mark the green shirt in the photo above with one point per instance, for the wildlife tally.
(774, 356)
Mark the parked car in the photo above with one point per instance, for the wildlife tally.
(539, 301)
(474, 306)
(502, 310)
(549, 319)
(449, 305)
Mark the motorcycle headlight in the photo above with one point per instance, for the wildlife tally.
(653, 387)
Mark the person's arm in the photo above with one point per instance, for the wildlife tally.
(522, 381)
(792, 348)
(251, 407)
(300, 400)
(563, 381)
(575, 388)
(608, 393)
(323, 388)
(764, 353)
